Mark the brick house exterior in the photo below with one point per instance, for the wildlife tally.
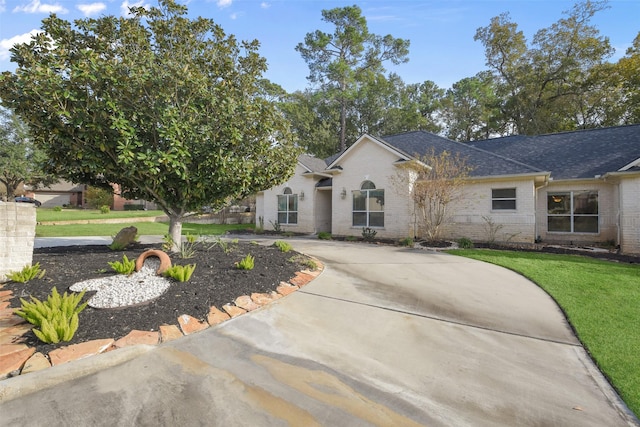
(579, 187)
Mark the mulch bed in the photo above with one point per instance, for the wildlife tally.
(216, 281)
(564, 250)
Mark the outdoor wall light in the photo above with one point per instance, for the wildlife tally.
(302, 195)
(344, 193)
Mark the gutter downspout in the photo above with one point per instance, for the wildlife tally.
(535, 209)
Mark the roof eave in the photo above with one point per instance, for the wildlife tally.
(538, 176)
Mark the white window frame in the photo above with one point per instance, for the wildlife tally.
(366, 188)
(572, 215)
(504, 199)
(288, 212)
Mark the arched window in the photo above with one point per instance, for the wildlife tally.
(287, 207)
(368, 185)
(368, 206)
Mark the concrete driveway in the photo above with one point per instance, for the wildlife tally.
(384, 337)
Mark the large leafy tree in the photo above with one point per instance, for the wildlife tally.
(20, 161)
(171, 109)
(628, 73)
(387, 106)
(543, 85)
(342, 62)
(470, 109)
(313, 121)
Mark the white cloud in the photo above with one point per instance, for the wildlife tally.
(2, 6)
(91, 8)
(224, 3)
(265, 5)
(124, 7)
(37, 7)
(6, 44)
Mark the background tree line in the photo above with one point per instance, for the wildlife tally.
(153, 102)
(560, 80)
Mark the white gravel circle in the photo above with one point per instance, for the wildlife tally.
(121, 291)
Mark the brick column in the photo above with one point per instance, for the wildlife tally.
(17, 235)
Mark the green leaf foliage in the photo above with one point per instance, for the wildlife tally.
(55, 319)
(169, 108)
(181, 273)
(27, 273)
(283, 246)
(246, 263)
(20, 160)
(125, 266)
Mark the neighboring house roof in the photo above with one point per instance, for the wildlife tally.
(419, 143)
(573, 155)
(63, 187)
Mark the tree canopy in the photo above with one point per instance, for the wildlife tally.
(351, 58)
(20, 160)
(171, 109)
(542, 86)
(561, 79)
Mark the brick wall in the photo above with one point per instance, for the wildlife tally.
(17, 234)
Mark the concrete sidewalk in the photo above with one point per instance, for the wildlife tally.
(385, 336)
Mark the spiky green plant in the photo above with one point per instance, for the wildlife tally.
(368, 234)
(117, 246)
(310, 264)
(226, 246)
(29, 272)
(283, 246)
(246, 263)
(181, 273)
(407, 241)
(56, 318)
(125, 266)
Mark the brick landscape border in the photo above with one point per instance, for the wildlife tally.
(17, 358)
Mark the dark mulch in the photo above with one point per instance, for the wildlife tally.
(216, 281)
(564, 250)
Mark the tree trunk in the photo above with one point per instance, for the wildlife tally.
(175, 232)
(343, 126)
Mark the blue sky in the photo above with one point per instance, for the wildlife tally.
(441, 32)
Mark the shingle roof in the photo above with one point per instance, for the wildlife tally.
(571, 155)
(63, 186)
(484, 163)
(312, 163)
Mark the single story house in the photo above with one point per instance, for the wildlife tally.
(61, 193)
(580, 187)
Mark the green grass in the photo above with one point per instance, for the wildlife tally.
(601, 300)
(144, 229)
(48, 214)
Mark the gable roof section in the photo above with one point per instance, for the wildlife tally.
(484, 163)
(312, 164)
(572, 155)
(334, 160)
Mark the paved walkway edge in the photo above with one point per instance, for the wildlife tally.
(606, 387)
(16, 387)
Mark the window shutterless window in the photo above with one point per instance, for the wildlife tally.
(503, 199)
(287, 207)
(368, 206)
(572, 212)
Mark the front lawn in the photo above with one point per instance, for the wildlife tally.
(49, 214)
(144, 228)
(601, 300)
